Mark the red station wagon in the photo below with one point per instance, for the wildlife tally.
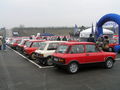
(21, 45)
(30, 47)
(72, 54)
(15, 43)
(112, 44)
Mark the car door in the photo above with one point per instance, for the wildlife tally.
(77, 52)
(93, 54)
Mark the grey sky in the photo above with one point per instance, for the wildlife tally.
(41, 13)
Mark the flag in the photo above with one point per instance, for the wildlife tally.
(75, 29)
(96, 32)
(92, 30)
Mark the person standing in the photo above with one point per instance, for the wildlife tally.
(58, 39)
(106, 43)
(0, 43)
(4, 43)
(91, 38)
(99, 42)
(64, 38)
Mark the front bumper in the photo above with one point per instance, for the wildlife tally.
(57, 61)
(39, 57)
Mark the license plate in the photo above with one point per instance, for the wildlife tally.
(55, 59)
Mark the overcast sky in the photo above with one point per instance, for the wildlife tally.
(42, 13)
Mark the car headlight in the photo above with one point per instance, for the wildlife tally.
(61, 60)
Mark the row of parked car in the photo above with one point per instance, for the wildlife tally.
(63, 54)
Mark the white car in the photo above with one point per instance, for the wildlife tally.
(46, 49)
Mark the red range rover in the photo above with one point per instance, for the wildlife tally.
(30, 47)
(71, 54)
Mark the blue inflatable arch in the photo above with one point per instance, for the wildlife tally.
(106, 18)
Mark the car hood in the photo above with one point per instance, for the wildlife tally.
(39, 51)
(21, 45)
(111, 54)
(60, 55)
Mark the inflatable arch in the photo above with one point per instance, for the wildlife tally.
(106, 18)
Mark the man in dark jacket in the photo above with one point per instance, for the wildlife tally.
(91, 39)
(1, 43)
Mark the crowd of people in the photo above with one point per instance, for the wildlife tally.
(102, 42)
(2, 43)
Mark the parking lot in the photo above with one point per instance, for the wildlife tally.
(19, 73)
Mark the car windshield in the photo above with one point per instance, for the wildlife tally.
(28, 44)
(52, 46)
(13, 41)
(62, 49)
(36, 44)
(42, 46)
(21, 43)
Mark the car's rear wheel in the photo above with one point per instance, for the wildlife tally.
(73, 67)
(109, 63)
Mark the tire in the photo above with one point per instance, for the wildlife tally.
(44, 61)
(17, 48)
(32, 56)
(109, 63)
(73, 68)
(49, 61)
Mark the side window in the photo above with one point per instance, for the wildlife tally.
(91, 48)
(52, 46)
(77, 49)
(35, 44)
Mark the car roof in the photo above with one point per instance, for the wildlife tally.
(36, 40)
(76, 43)
(54, 41)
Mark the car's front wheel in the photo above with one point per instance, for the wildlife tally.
(73, 67)
(32, 56)
(109, 63)
(49, 61)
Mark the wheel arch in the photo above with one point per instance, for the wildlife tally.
(110, 57)
(75, 61)
(49, 56)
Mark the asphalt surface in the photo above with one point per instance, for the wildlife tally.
(17, 73)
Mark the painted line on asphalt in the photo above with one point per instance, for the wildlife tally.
(30, 60)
